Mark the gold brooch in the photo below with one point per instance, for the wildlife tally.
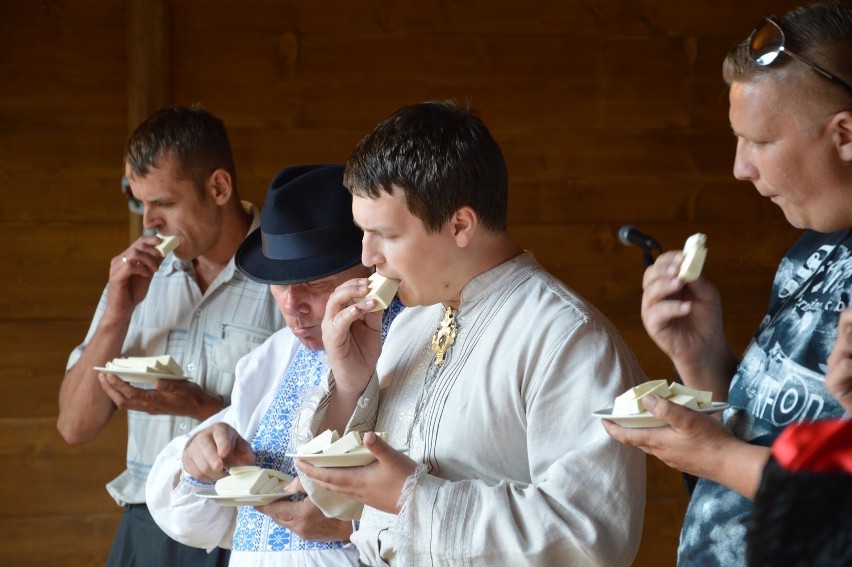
(445, 336)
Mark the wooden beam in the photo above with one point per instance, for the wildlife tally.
(148, 58)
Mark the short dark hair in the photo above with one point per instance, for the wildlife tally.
(821, 32)
(441, 156)
(193, 136)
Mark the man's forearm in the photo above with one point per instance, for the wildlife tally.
(84, 408)
(741, 467)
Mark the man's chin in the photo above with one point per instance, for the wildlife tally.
(312, 343)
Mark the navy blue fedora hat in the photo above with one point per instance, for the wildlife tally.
(306, 228)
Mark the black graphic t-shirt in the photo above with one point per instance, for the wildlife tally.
(779, 381)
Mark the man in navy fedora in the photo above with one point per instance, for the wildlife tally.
(306, 246)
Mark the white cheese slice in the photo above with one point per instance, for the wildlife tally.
(236, 484)
(163, 364)
(345, 444)
(703, 397)
(135, 364)
(361, 449)
(320, 442)
(168, 243)
(684, 400)
(245, 481)
(630, 403)
(381, 289)
(694, 254)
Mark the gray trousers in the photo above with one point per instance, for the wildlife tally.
(139, 542)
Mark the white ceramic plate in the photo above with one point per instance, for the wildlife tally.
(648, 420)
(344, 460)
(250, 500)
(131, 376)
(358, 459)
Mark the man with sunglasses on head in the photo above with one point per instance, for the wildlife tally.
(791, 111)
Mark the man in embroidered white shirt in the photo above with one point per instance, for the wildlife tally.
(504, 463)
(305, 247)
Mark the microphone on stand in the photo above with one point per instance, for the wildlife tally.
(630, 235)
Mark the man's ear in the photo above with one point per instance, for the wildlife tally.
(465, 221)
(220, 186)
(841, 126)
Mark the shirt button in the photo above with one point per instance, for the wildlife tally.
(191, 366)
(182, 426)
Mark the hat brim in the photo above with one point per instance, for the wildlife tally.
(250, 260)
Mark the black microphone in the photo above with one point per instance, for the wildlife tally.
(629, 234)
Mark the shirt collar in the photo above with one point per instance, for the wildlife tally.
(485, 283)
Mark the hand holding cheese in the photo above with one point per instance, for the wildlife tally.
(694, 253)
(381, 289)
(246, 481)
(168, 243)
(630, 402)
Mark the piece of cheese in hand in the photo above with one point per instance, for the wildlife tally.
(168, 243)
(245, 481)
(694, 254)
(381, 289)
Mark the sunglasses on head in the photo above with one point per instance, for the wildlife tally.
(766, 42)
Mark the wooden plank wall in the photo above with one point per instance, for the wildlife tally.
(608, 111)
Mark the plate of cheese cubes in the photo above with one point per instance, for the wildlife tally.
(328, 449)
(144, 368)
(250, 486)
(629, 411)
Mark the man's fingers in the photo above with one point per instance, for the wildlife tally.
(380, 448)
(122, 394)
(668, 411)
(662, 313)
(664, 267)
(117, 384)
(343, 297)
(203, 450)
(241, 455)
(281, 510)
(229, 443)
(243, 447)
(295, 486)
(338, 478)
(679, 418)
(621, 434)
(223, 441)
(164, 385)
(204, 468)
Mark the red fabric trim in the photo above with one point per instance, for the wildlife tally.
(817, 446)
